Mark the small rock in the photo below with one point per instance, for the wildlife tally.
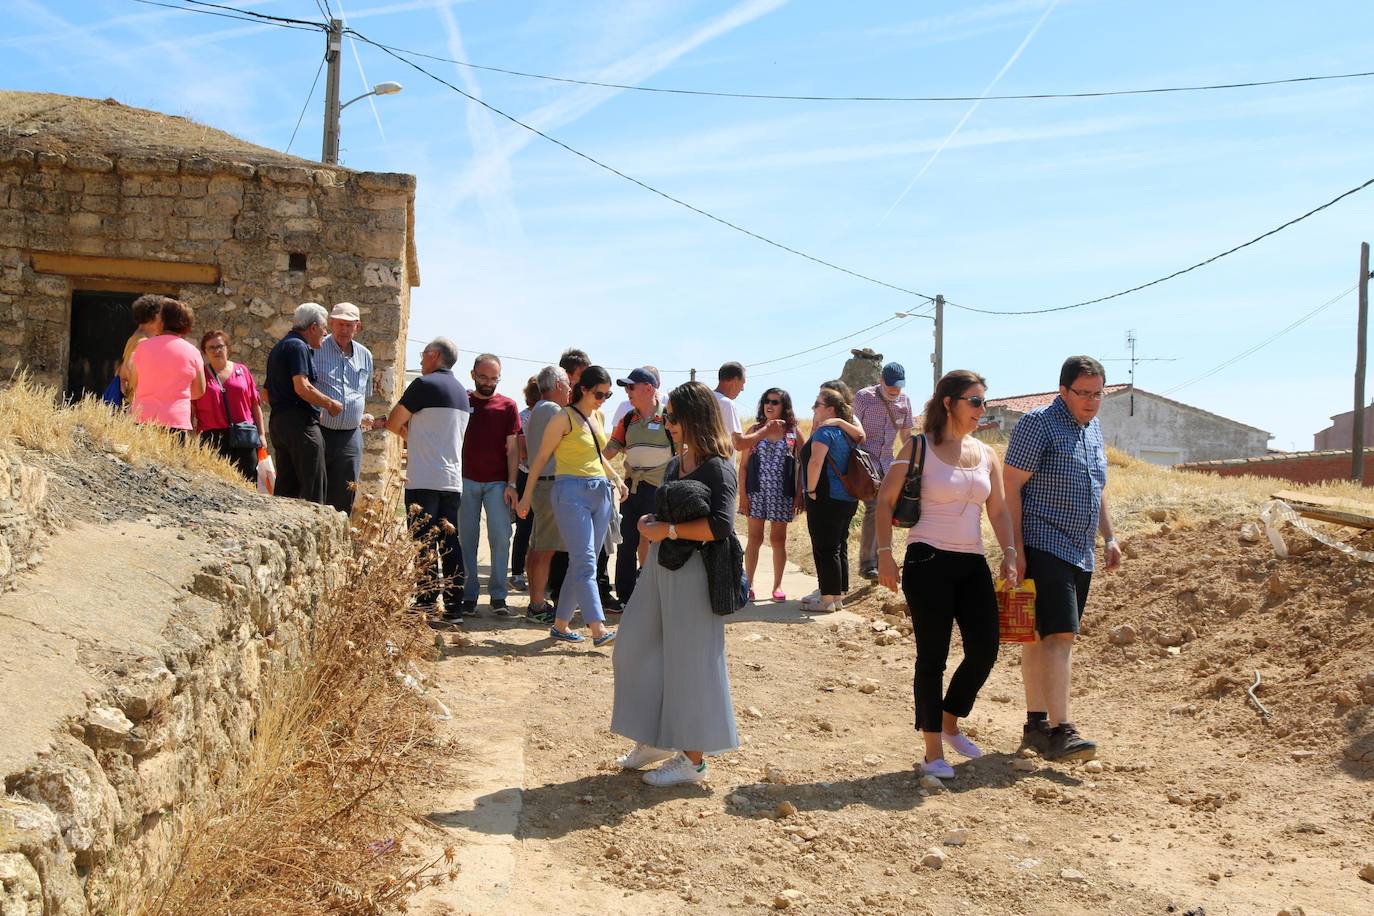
(1276, 587)
(931, 782)
(1301, 755)
(934, 858)
(1123, 635)
(1214, 876)
(1249, 533)
(781, 903)
(753, 637)
(1115, 837)
(791, 894)
(1073, 875)
(1028, 863)
(1047, 792)
(787, 809)
(774, 775)
(739, 801)
(1239, 605)
(105, 723)
(868, 687)
(1093, 766)
(825, 726)
(753, 712)
(956, 837)
(1023, 765)
(878, 626)
(850, 645)
(1367, 872)
(1027, 752)
(1345, 698)
(1292, 911)
(613, 852)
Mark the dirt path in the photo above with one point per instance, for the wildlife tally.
(1188, 809)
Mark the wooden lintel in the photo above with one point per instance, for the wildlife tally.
(1330, 509)
(80, 265)
(99, 284)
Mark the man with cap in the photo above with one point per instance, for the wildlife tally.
(345, 374)
(884, 412)
(642, 434)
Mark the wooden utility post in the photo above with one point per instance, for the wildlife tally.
(1362, 335)
(937, 358)
(333, 55)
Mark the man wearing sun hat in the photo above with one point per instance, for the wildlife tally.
(345, 374)
(884, 411)
(642, 434)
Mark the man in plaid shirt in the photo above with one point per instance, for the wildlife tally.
(885, 414)
(1055, 475)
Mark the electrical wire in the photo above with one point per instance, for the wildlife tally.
(256, 18)
(254, 13)
(1178, 273)
(1264, 343)
(878, 98)
(648, 187)
(316, 82)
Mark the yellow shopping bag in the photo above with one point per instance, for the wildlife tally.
(1016, 611)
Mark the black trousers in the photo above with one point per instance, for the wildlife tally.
(827, 521)
(523, 528)
(343, 462)
(641, 502)
(245, 459)
(558, 568)
(437, 506)
(943, 588)
(299, 453)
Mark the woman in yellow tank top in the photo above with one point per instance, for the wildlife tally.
(583, 487)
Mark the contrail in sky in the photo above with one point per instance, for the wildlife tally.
(972, 108)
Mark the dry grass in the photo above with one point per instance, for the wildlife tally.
(317, 818)
(31, 415)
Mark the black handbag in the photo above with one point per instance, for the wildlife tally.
(907, 512)
(237, 435)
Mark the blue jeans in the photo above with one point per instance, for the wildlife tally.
(582, 506)
(476, 498)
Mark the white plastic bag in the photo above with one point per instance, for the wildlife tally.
(267, 473)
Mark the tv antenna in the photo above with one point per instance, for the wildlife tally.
(1133, 360)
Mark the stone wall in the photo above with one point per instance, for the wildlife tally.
(354, 231)
(136, 698)
(23, 497)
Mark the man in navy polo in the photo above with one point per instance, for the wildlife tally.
(294, 426)
(1055, 475)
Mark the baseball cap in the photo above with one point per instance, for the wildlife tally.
(347, 311)
(638, 377)
(894, 375)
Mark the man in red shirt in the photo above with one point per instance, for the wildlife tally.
(490, 459)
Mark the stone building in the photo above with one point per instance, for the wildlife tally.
(1151, 427)
(100, 203)
(1341, 433)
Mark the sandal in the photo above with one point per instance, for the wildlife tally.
(569, 636)
(751, 594)
(779, 595)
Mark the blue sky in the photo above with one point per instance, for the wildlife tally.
(526, 249)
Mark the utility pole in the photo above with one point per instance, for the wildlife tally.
(1362, 332)
(937, 358)
(333, 55)
(694, 375)
(1130, 342)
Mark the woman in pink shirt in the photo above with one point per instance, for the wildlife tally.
(945, 576)
(229, 385)
(166, 373)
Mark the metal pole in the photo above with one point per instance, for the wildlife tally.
(938, 357)
(694, 375)
(332, 56)
(1357, 439)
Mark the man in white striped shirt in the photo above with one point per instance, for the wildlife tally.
(344, 367)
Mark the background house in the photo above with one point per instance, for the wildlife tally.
(1341, 433)
(100, 203)
(1151, 427)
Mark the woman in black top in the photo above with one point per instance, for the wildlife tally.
(672, 691)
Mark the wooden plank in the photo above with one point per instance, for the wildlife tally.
(1329, 509)
(80, 265)
(124, 286)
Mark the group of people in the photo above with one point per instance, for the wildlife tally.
(544, 477)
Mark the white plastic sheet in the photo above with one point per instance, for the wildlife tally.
(1277, 512)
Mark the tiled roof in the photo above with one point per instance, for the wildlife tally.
(1024, 402)
(1264, 459)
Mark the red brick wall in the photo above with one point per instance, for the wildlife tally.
(1299, 468)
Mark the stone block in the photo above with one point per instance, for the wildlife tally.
(232, 187)
(98, 203)
(47, 160)
(225, 205)
(381, 244)
(384, 274)
(194, 186)
(286, 175)
(90, 162)
(162, 187)
(22, 158)
(211, 230)
(96, 183)
(192, 207)
(39, 181)
(85, 223)
(384, 181)
(147, 165)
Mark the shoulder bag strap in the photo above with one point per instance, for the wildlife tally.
(212, 376)
(590, 428)
(888, 407)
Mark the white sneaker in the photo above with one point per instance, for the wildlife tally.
(641, 756)
(817, 606)
(813, 596)
(676, 772)
(938, 768)
(962, 745)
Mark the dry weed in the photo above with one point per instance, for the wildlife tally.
(27, 416)
(317, 818)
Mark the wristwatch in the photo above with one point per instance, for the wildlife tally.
(672, 531)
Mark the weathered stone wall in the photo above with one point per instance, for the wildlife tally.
(354, 229)
(23, 495)
(158, 714)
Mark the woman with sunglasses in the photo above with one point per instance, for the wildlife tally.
(672, 688)
(770, 491)
(229, 387)
(828, 505)
(582, 493)
(945, 575)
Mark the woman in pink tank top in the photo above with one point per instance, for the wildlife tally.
(945, 576)
(166, 373)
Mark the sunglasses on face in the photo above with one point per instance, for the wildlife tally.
(772, 402)
(486, 379)
(669, 418)
(601, 395)
(974, 400)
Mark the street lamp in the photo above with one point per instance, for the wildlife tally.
(332, 56)
(387, 88)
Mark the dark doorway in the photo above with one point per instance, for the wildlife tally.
(101, 323)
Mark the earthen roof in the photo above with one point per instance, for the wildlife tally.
(49, 123)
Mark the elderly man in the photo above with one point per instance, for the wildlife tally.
(345, 370)
(490, 458)
(432, 416)
(545, 540)
(642, 434)
(296, 402)
(1055, 475)
(884, 412)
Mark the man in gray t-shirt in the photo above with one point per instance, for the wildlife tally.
(545, 540)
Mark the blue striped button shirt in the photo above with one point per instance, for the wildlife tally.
(346, 379)
(1061, 502)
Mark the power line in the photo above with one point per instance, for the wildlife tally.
(306, 105)
(255, 14)
(650, 188)
(250, 16)
(876, 98)
(1177, 273)
(778, 359)
(1264, 343)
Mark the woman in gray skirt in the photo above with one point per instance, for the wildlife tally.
(672, 691)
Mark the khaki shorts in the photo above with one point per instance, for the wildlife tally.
(545, 535)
